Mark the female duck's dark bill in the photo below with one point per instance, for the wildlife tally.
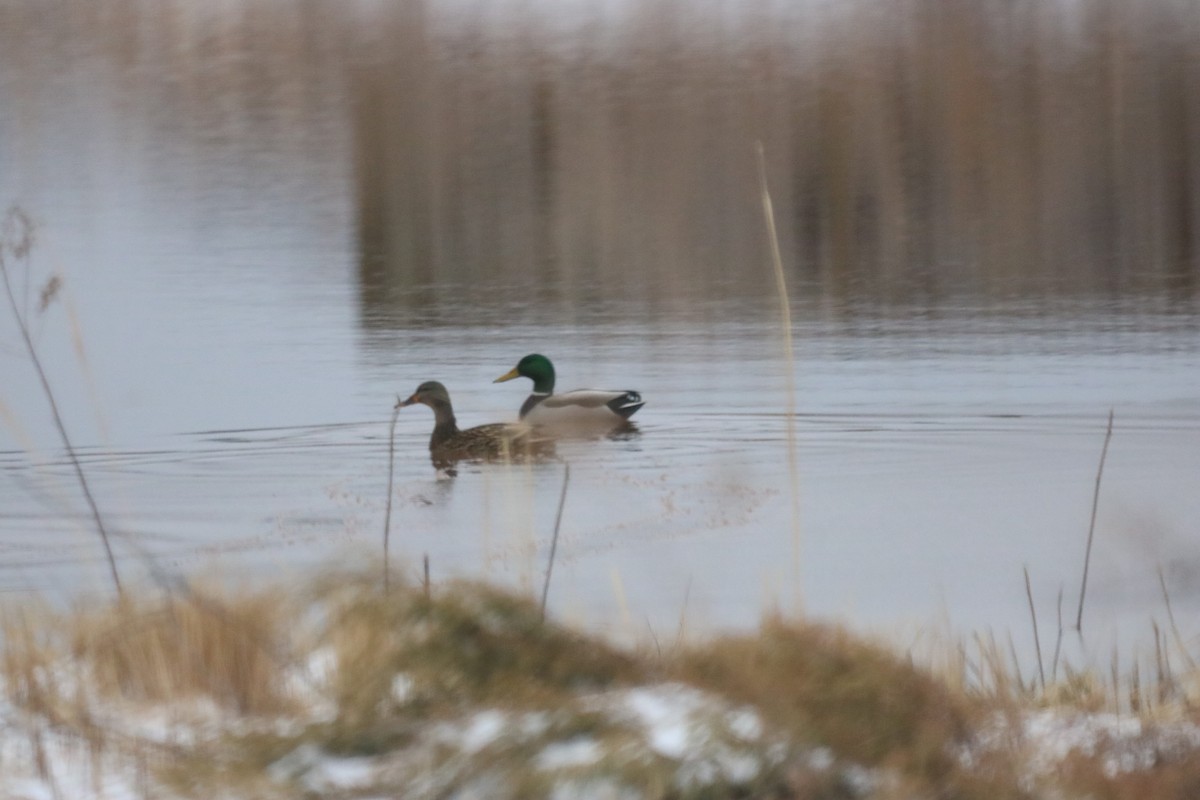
(508, 376)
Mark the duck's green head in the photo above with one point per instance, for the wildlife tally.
(431, 393)
(537, 368)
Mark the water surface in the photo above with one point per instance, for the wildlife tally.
(227, 348)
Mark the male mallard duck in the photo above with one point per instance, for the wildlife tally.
(495, 442)
(584, 405)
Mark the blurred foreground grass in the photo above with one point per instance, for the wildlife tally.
(335, 688)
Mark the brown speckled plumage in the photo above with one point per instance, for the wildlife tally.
(494, 442)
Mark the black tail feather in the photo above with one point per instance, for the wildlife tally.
(627, 404)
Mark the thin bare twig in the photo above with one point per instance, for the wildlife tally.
(21, 249)
(1037, 642)
(1087, 556)
(387, 514)
(562, 500)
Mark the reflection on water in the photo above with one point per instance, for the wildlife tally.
(270, 218)
(566, 156)
(915, 152)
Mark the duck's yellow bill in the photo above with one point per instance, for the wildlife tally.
(508, 376)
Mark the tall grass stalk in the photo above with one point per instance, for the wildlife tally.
(618, 587)
(562, 501)
(681, 629)
(1087, 556)
(20, 228)
(387, 513)
(785, 320)
(1037, 641)
(1162, 666)
(1058, 639)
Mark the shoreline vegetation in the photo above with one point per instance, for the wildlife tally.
(335, 688)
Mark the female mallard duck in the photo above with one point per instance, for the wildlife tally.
(495, 442)
(583, 405)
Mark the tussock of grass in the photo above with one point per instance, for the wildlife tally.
(823, 685)
(154, 650)
(164, 649)
(1079, 690)
(463, 646)
(469, 643)
(29, 655)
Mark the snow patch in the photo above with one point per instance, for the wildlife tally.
(482, 729)
(580, 752)
(1123, 743)
(402, 688)
(317, 771)
(711, 740)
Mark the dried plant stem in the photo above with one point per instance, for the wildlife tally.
(679, 632)
(1058, 640)
(1115, 670)
(1087, 556)
(387, 514)
(31, 350)
(1016, 663)
(562, 501)
(1037, 642)
(785, 313)
(1187, 657)
(1162, 665)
